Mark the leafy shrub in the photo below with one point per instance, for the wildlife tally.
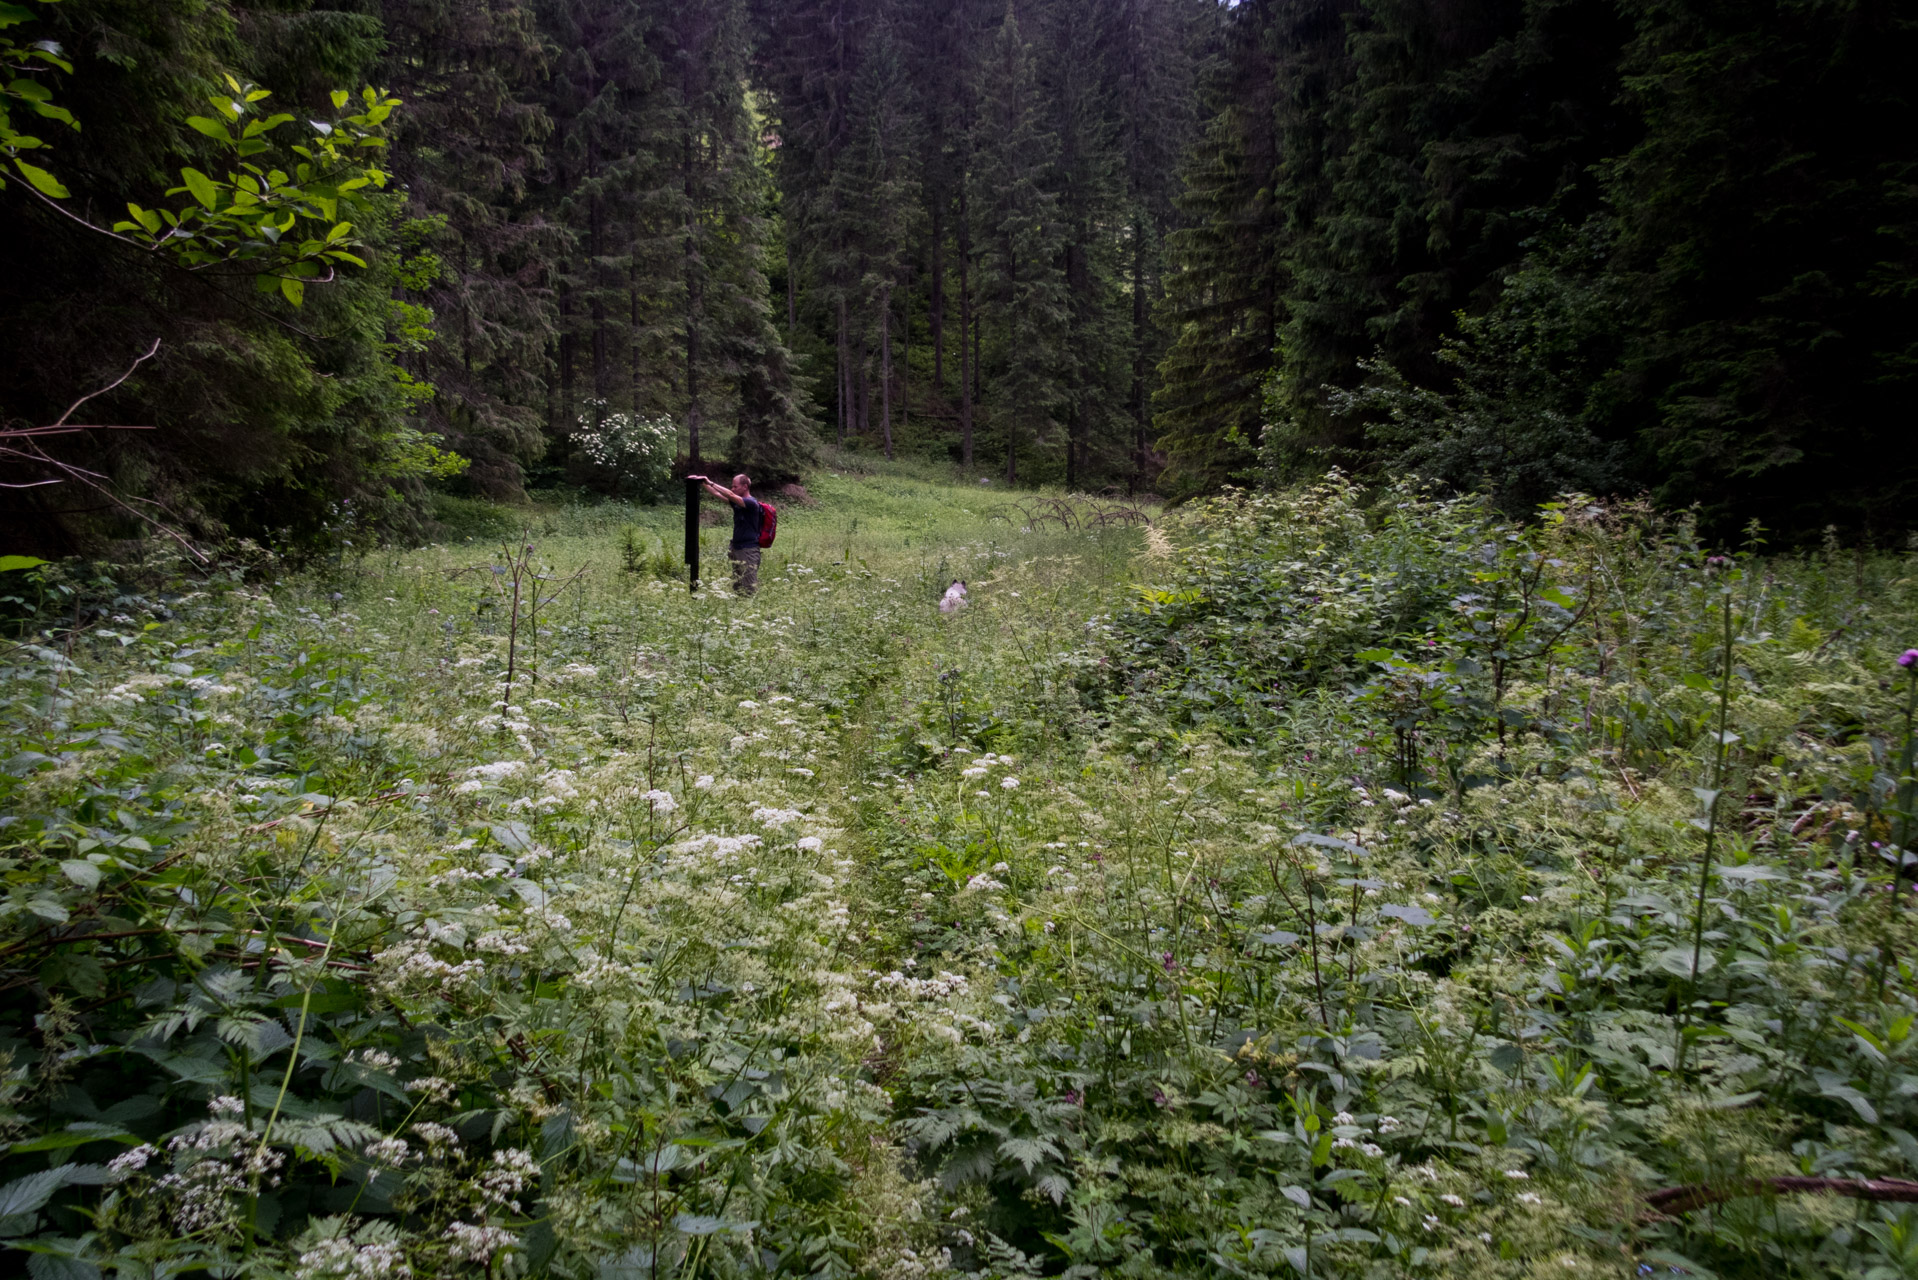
(470, 518)
(632, 454)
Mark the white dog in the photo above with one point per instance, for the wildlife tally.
(955, 598)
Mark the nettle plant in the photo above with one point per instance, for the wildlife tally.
(826, 934)
(1564, 927)
(316, 964)
(634, 452)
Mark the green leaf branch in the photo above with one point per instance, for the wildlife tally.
(20, 65)
(291, 220)
(285, 208)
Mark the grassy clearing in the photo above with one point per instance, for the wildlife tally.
(1325, 884)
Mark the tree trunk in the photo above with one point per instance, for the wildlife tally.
(864, 398)
(885, 366)
(566, 356)
(631, 292)
(845, 378)
(602, 370)
(965, 345)
(936, 300)
(1012, 337)
(905, 354)
(1138, 352)
(596, 242)
(978, 358)
(1079, 428)
(692, 307)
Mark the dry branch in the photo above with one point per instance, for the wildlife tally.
(1671, 1201)
(22, 445)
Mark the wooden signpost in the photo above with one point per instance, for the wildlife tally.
(692, 534)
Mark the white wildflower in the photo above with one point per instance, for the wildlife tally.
(338, 1257)
(479, 1244)
(437, 1135)
(512, 1169)
(131, 1162)
(391, 1152)
(432, 1086)
(495, 771)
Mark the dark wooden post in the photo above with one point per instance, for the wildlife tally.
(692, 534)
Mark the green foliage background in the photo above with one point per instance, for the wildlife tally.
(1613, 245)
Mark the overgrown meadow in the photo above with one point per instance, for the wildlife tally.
(1316, 884)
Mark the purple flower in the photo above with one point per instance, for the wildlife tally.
(1158, 1097)
(1171, 965)
(1908, 658)
(1074, 1097)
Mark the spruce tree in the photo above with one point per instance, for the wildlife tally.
(707, 171)
(1766, 239)
(603, 75)
(1154, 105)
(1078, 84)
(465, 148)
(1021, 238)
(878, 184)
(1225, 266)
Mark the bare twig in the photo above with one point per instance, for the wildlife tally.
(1670, 1201)
(21, 444)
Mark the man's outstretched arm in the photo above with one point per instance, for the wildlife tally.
(718, 492)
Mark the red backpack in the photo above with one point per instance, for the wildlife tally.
(768, 523)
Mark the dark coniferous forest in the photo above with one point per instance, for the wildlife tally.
(1616, 246)
(1335, 696)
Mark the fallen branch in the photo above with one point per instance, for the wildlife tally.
(21, 445)
(1676, 1200)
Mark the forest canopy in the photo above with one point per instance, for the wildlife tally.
(1524, 246)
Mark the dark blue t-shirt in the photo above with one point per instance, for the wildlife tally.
(746, 518)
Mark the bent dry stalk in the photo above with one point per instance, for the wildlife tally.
(1722, 741)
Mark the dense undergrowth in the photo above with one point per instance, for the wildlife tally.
(1374, 890)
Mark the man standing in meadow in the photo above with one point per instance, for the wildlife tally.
(748, 516)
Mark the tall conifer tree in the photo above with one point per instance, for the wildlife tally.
(1021, 239)
(465, 148)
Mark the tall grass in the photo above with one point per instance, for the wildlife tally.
(1319, 884)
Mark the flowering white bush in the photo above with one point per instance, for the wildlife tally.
(637, 451)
